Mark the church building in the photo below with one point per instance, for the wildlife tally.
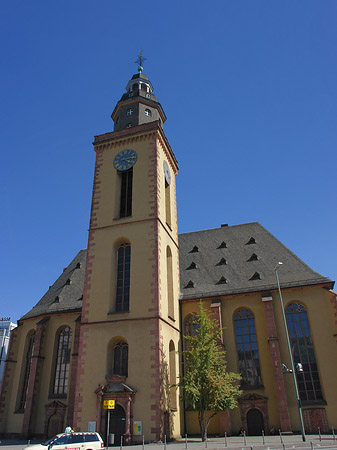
(100, 350)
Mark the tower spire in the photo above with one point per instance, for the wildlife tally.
(140, 61)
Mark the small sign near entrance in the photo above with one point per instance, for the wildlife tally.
(137, 428)
(109, 404)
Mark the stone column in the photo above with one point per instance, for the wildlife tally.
(274, 348)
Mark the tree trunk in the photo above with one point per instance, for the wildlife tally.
(203, 430)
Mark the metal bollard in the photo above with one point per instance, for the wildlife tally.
(263, 442)
(164, 441)
(284, 447)
(121, 442)
(244, 438)
(311, 445)
(280, 436)
(28, 443)
(185, 440)
(143, 442)
(206, 440)
(333, 433)
(226, 439)
(319, 433)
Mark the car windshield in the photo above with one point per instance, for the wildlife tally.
(49, 442)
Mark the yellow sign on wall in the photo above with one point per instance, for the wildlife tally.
(109, 404)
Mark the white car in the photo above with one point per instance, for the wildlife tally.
(71, 441)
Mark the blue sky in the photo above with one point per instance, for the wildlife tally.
(249, 89)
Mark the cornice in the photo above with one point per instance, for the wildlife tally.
(135, 134)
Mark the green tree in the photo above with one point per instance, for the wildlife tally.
(206, 386)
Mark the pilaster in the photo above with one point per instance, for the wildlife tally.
(274, 348)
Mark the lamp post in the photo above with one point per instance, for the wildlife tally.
(298, 400)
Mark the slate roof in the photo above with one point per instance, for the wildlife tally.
(238, 259)
(65, 295)
(217, 262)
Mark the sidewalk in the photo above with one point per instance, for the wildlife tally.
(289, 442)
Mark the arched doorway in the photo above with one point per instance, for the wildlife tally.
(55, 426)
(255, 423)
(117, 423)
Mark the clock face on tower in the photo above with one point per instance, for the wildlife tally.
(167, 173)
(125, 159)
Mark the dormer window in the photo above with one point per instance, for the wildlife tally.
(222, 281)
(194, 249)
(148, 112)
(256, 276)
(222, 262)
(129, 112)
(192, 266)
(251, 241)
(222, 245)
(253, 257)
(129, 125)
(189, 285)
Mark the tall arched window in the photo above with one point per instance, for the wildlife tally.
(172, 375)
(62, 364)
(123, 277)
(29, 349)
(120, 363)
(246, 343)
(302, 348)
(169, 275)
(190, 325)
(125, 209)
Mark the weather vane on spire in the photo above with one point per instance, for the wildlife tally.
(140, 61)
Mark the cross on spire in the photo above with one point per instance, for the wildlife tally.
(140, 61)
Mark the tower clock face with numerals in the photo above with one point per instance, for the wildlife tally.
(124, 160)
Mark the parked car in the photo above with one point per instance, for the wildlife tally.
(71, 441)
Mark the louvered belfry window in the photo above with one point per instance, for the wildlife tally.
(126, 193)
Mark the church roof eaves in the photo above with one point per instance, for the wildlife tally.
(69, 295)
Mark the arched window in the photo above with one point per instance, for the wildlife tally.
(246, 343)
(125, 207)
(172, 375)
(190, 325)
(123, 277)
(302, 348)
(28, 354)
(120, 363)
(62, 364)
(169, 276)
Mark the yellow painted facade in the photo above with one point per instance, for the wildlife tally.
(151, 326)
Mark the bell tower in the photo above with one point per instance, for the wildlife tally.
(130, 315)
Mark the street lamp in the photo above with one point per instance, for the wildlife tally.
(298, 400)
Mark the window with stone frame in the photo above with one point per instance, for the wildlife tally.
(308, 381)
(62, 362)
(123, 277)
(120, 359)
(29, 349)
(125, 209)
(246, 344)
